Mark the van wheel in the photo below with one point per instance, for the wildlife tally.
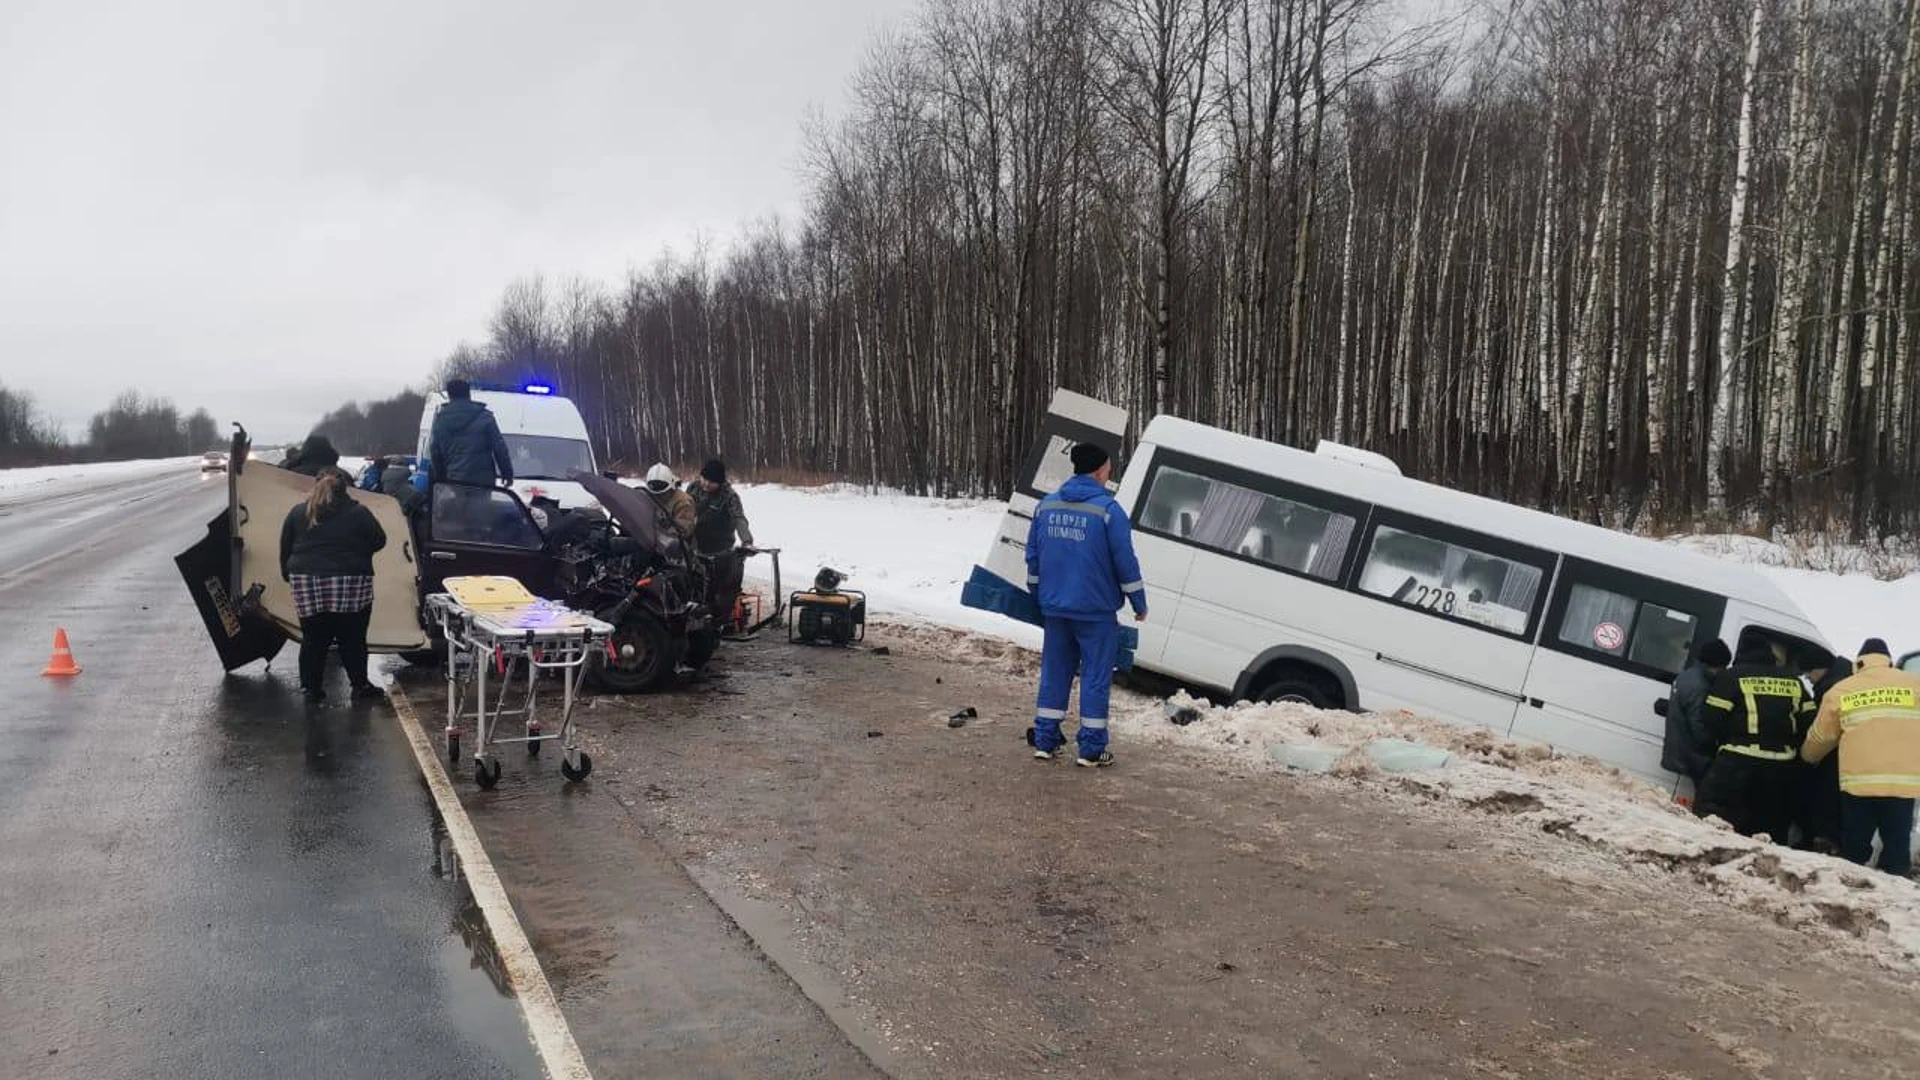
(640, 658)
(1300, 686)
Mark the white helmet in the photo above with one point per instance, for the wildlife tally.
(660, 478)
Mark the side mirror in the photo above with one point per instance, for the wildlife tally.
(1660, 707)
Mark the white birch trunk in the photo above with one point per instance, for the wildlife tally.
(1732, 291)
(1803, 161)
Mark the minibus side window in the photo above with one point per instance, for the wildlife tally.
(1451, 579)
(1626, 627)
(1268, 529)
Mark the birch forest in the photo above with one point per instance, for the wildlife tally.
(1645, 262)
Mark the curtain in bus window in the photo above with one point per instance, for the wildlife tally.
(1226, 515)
(1520, 587)
(1333, 547)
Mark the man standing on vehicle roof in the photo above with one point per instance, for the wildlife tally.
(1873, 716)
(1081, 568)
(466, 446)
(1758, 712)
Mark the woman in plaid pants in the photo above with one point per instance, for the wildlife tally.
(326, 556)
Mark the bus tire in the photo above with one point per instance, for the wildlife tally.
(1300, 685)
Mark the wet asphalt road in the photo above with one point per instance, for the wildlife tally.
(199, 877)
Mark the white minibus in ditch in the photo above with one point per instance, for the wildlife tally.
(1328, 578)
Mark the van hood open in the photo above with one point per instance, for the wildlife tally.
(634, 511)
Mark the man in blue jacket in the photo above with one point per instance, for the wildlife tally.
(1081, 568)
(465, 446)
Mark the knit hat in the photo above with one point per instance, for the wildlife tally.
(659, 479)
(318, 451)
(1087, 458)
(1716, 654)
(1874, 646)
(714, 471)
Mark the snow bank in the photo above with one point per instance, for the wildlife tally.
(1887, 560)
(1574, 798)
(40, 482)
(910, 555)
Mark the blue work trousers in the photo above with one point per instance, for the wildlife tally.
(1861, 817)
(1088, 648)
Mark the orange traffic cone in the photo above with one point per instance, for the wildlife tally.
(62, 662)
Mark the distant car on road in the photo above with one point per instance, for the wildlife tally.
(213, 461)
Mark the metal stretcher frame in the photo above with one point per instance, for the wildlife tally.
(482, 643)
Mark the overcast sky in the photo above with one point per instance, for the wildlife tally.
(269, 207)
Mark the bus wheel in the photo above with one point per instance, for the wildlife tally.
(1300, 686)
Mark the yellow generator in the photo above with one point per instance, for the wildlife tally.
(827, 614)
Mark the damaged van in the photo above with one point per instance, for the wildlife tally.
(613, 559)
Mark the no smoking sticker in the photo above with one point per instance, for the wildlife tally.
(1609, 636)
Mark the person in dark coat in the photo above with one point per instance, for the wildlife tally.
(1819, 807)
(719, 520)
(311, 456)
(327, 546)
(465, 445)
(396, 479)
(1689, 745)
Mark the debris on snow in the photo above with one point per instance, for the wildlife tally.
(1403, 756)
(1307, 757)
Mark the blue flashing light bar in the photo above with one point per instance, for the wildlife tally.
(537, 388)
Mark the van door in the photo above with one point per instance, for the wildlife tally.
(1611, 647)
(999, 583)
(263, 495)
(476, 531)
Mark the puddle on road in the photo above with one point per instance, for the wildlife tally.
(480, 1001)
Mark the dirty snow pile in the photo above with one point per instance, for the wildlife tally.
(1568, 796)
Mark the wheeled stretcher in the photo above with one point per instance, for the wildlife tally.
(499, 635)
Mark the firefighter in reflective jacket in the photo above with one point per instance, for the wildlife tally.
(1081, 568)
(1874, 718)
(1758, 712)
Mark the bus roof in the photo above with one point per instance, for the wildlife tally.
(1534, 527)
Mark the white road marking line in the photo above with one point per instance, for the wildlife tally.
(552, 1038)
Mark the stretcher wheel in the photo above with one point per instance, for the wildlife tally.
(581, 773)
(484, 776)
(453, 749)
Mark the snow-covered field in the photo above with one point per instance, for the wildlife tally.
(912, 556)
(909, 555)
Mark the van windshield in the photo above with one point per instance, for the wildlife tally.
(545, 457)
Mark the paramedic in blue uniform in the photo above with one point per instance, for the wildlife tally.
(1081, 568)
